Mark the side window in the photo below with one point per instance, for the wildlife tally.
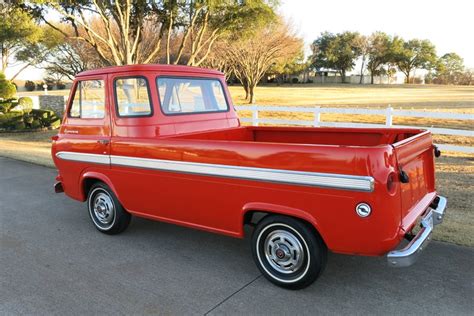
(89, 100)
(132, 97)
(191, 95)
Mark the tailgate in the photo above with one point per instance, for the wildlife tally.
(415, 159)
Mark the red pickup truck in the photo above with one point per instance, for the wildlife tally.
(164, 143)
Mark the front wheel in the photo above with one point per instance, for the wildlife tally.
(105, 210)
(288, 252)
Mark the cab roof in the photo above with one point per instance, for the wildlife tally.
(150, 67)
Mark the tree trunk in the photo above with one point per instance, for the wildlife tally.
(362, 70)
(4, 59)
(252, 96)
(246, 88)
(371, 78)
(343, 76)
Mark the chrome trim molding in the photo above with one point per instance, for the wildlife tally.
(359, 183)
(407, 256)
(82, 157)
(324, 180)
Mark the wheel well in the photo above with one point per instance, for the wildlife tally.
(252, 218)
(87, 185)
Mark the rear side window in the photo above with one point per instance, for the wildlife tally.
(189, 95)
(133, 97)
(89, 100)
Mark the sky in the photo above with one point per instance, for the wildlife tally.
(447, 24)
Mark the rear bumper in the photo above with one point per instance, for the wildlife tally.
(409, 254)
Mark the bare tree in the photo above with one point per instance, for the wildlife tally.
(251, 57)
(132, 31)
(364, 46)
(72, 57)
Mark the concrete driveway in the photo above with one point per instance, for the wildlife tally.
(53, 261)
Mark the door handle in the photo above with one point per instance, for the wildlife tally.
(103, 141)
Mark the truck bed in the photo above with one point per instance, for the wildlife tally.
(309, 136)
(409, 150)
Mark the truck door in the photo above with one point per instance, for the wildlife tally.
(84, 138)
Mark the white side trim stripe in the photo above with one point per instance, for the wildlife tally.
(93, 158)
(326, 180)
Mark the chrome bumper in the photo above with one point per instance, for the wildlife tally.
(408, 255)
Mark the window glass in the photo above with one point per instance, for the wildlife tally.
(186, 95)
(89, 100)
(132, 97)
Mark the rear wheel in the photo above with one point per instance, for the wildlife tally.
(288, 252)
(105, 210)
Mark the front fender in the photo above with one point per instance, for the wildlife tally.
(95, 175)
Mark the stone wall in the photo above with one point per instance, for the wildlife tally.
(52, 102)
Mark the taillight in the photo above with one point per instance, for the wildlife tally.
(391, 182)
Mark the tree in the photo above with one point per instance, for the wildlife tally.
(252, 56)
(363, 44)
(379, 54)
(35, 54)
(291, 65)
(449, 69)
(17, 31)
(467, 77)
(413, 54)
(337, 52)
(132, 31)
(72, 57)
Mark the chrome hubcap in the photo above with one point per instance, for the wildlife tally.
(103, 208)
(284, 251)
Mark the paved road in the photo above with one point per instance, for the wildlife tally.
(53, 261)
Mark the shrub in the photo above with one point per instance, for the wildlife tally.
(19, 126)
(29, 85)
(7, 89)
(60, 86)
(28, 119)
(50, 84)
(294, 80)
(54, 124)
(7, 105)
(47, 118)
(26, 104)
(39, 86)
(11, 120)
(36, 124)
(32, 119)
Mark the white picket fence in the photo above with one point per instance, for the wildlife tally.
(389, 114)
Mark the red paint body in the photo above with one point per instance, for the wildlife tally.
(218, 204)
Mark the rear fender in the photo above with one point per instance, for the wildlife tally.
(280, 210)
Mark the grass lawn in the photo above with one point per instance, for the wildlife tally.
(459, 98)
(455, 172)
